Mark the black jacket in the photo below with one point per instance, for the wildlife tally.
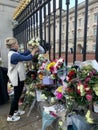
(4, 97)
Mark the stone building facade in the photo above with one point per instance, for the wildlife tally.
(91, 30)
(7, 8)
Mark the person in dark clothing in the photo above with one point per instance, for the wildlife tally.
(45, 45)
(4, 97)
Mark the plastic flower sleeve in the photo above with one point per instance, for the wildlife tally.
(79, 123)
(47, 120)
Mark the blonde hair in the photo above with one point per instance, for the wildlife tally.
(10, 41)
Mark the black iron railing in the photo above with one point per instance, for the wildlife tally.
(42, 18)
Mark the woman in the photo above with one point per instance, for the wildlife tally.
(16, 74)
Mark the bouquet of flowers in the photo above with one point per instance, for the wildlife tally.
(54, 66)
(41, 59)
(83, 85)
(34, 42)
(59, 92)
(29, 96)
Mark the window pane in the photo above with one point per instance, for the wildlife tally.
(95, 17)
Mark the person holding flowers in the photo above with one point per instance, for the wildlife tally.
(16, 73)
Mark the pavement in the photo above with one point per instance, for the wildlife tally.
(31, 122)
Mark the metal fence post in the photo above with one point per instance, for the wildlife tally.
(75, 31)
(67, 28)
(85, 30)
(96, 54)
(60, 27)
(54, 10)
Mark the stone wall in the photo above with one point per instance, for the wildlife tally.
(7, 8)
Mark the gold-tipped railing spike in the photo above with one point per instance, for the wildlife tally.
(22, 5)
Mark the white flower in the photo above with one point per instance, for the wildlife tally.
(60, 123)
(38, 39)
(43, 97)
(52, 100)
(40, 57)
(81, 88)
(34, 42)
(27, 92)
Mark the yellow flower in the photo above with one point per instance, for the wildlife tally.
(60, 89)
(95, 89)
(50, 65)
(88, 117)
(40, 76)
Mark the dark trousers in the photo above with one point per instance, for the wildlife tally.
(4, 97)
(17, 94)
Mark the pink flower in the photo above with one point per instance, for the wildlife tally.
(89, 97)
(43, 66)
(59, 95)
(87, 79)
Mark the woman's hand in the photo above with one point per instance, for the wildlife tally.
(35, 50)
(29, 47)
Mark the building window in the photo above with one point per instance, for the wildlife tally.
(72, 35)
(94, 47)
(88, 31)
(63, 27)
(73, 23)
(62, 36)
(62, 48)
(79, 34)
(95, 17)
(95, 31)
(80, 22)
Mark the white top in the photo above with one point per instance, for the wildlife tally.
(15, 71)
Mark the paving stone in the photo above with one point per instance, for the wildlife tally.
(31, 122)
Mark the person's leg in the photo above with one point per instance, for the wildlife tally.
(17, 93)
(14, 105)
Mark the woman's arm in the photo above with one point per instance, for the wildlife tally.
(17, 57)
(25, 53)
(41, 50)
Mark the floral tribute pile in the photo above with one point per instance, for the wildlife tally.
(82, 88)
(48, 75)
(77, 84)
